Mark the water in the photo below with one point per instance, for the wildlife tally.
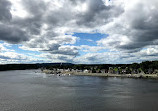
(30, 91)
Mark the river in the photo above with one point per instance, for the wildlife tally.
(26, 90)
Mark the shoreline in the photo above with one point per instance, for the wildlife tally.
(137, 76)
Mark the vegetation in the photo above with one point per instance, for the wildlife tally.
(147, 67)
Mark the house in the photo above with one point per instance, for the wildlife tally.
(67, 70)
(85, 71)
(98, 71)
(150, 71)
(111, 70)
(134, 71)
(124, 71)
(78, 70)
(104, 71)
(155, 71)
(117, 72)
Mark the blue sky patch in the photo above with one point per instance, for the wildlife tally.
(88, 39)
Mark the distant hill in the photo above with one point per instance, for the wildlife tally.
(5, 67)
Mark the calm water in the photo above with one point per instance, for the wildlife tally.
(30, 91)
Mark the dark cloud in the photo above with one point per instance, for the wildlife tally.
(98, 14)
(65, 50)
(144, 27)
(65, 59)
(35, 7)
(72, 53)
(31, 24)
(12, 34)
(5, 14)
(53, 47)
(8, 31)
(59, 17)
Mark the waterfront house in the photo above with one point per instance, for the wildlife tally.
(85, 71)
(134, 71)
(155, 71)
(77, 70)
(124, 71)
(150, 71)
(104, 71)
(111, 70)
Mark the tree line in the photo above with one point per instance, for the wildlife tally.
(146, 66)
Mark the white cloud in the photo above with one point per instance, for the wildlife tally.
(87, 48)
(47, 26)
(135, 28)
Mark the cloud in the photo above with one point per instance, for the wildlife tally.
(5, 14)
(48, 57)
(66, 50)
(87, 48)
(2, 48)
(8, 31)
(99, 58)
(98, 14)
(47, 26)
(113, 57)
(12, 57)
(43, 19)
(136, 28)
(12, 34)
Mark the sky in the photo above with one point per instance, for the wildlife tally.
(78, 31)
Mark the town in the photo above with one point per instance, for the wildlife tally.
(148, 67)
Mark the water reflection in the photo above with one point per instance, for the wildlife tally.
(34, 91)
